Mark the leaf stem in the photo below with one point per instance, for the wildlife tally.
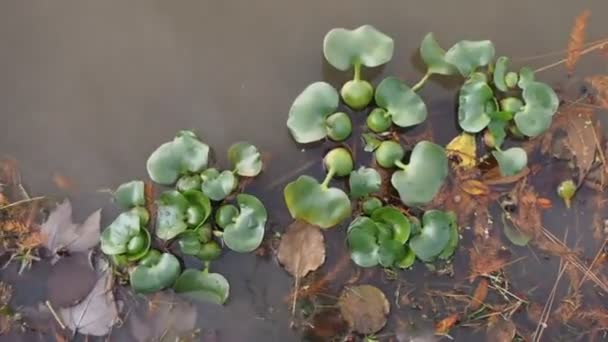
(328, 177)
(206, 267)
(357, 67)
(420, 83)
(400, 165)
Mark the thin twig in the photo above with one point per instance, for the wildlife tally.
(542, 324)
(560, 52)
(55, 315)
(28, 200)
(597, 257)
(562, 61)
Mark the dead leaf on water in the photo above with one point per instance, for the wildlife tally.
(501, 330)
(581, 142)
(444, 326)
(480, 294)
(462, 150)
(600, 85)
(302, 249)
(364, 307)
(474, 187)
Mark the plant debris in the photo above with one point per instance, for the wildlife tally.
(364, 307)
(302, 249)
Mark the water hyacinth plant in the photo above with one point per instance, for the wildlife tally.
(196, 214)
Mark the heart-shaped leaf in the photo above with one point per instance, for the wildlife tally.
(363, 182)
(172, 159)
(155, 272)
(364, 45)
(116, 237)
(395, 219)
(468, 55)
(309, 201)
(309, 111)
(500, 71)
(449, 250)
(405, 107)
(217, 185)
(245, 159)
(390, 251)
(541, 104)
(130, 194)
(362, 241)
(473, 105)
(434, 236)
(171, 215)
(433, 56)
(204, 286)
(246, 232)
(422, 178)
(511, 161)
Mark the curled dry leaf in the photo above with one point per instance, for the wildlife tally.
(364, 308)
(480, 294)
(61, 233)
(302, 249)
(445, 325)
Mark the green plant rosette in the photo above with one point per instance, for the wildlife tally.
(246, 231)
(363, 182)
(185, 154)
(245, 159)
(312, 202)
(364, 45)
(179, 211)
(218, 185)
(468, 55)
(434, 237)
(423, 177)
(511, 161)
(130, 194)
(475, 104)
(395, 220)
(404, 105)
(202, 285)
(433, 56)
(126, 237)
(155, 272)
(535, 116)
(307, 120)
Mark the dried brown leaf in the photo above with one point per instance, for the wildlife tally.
(364, 308)
(474, 187)
(302, 249)
(581, 142)
(577, 40)
(480, 294)
(600, 85)
(445, 325)
(486, 257)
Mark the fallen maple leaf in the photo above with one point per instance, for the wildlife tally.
(445, 325)
(480, 294)
(302, 249)
(61, 233)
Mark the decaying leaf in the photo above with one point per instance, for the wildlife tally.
(364, 308)
(581, 142)
(445, 325)
(501, 330)
(480, 294)
(97, 312)
(487, 257)
(61, 233)
(577, 40)
(600, 85)
(462, 150)
(474, 187)
(168, 318)
(302, 249)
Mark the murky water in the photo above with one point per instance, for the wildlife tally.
(89, 88)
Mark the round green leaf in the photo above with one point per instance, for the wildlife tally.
(468, 55)
(433, 56)
(526, 75)
(170, 217)
(388, 153)
(172, 159)
(363, 182)
(423, 176)
(407, 260)
(309, 110)
(216, 185)
(472, 105)
(139, 245)
(357, 94)
(189, 244)
(246, 232)
(541, 104)
(364, 45)
(395, 219)
(200, 285)
(362, 242)
(197, 200)
(370, 205)
(378, 120)
(500, 71)
(156, 274)
(130, 194)
(309, 201)
(390, 251)
(225, 215)
(339, 126)
(245, 159)
(404, 106)
(189, 182)
(115, 238)
(511, 161)
(340, 161)
(434, 236)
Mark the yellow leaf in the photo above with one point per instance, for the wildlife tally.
(474, 187)
(462, 150)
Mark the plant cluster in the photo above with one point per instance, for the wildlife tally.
(197, 215)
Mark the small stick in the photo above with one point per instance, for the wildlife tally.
(562, 61)
(14, 204)
(55, 315)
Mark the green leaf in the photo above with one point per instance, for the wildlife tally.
(362, 242)
(500, 70)
(209, 287)
(245, 159)
(309, 201)
(433, 56)
(468, 55)
(115, 238)
(407, 260)
(393, 218)
(246, 232)
(526, 76)
(449, 250)
(155, 275)
(363, 182)
(434, 236)
(130, 194)
(497, 130)
(541, 103)
(172, 159)
(189, 244)
(516, 237)
(423, 176)
(390, 251)
(364, 45)
(308, 113)
(197, 200)
(405, 107)
(472, 105)
(216, 185)
(170, 220)
(370, 141)
(511, 161)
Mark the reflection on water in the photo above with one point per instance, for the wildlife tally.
(90, 88)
